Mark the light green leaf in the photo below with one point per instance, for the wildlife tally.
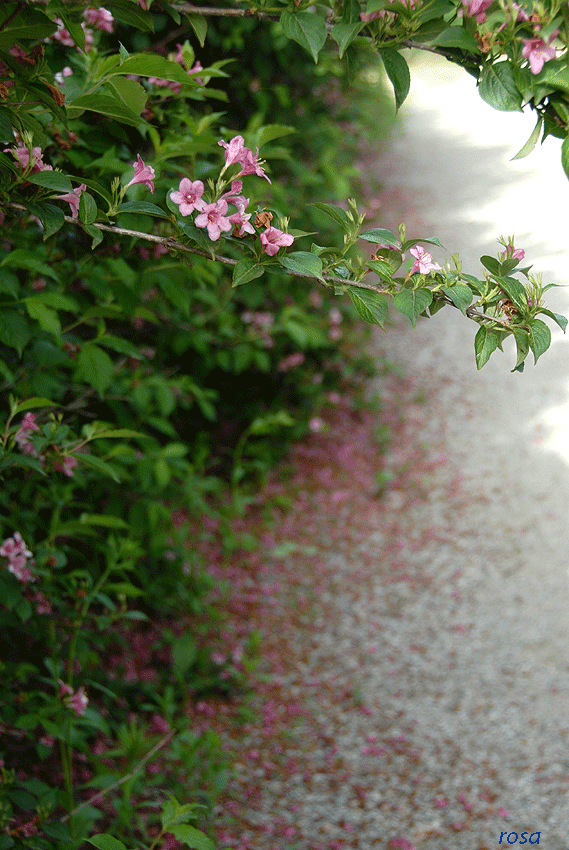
(104, 104)
(522, 345)
(557, 317)
(306, 28)
(344, 34)
(382, 268)
(105, 520)
(498, 87)
(100, 466)
(460, 295)
(565, 155)
(152, 65)
(199, 26)
(95, 367)
(398, 72)
(270, 132)
(413, 302)
(47, 318)
(246, 270)
(143, 207)
(457, 37)
(184, 654)
(531, 142)
(371, 306)
(540, 338)
(30, 403)
(303, 262)
(105, 842)
(132, 94)
(485, 343)
(130, 13)
(336, 213)
(193, 837)
(380, 236)
(14, 330)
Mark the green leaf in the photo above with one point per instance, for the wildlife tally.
(143, 207)
(303, 262)
(561, 320)
(95, 233)
(95, 367)
(191, 836)
(565, 155)
(382, 268)
(130, 13)
(104, 104)
(47, 318)
(522, 344)
(498, 87)
(27, 24)
(152, 65)
(269, 132)
(105, 842)
(491, 263)
(371, 306)
(413, 302)
(21, 259)
(457, 37)
(184, 653)
(246, 270)
(398, 72)
(344, 34)
(515, 291)
(540, 338)
(51, 217)
(105, 520)
(14, 330)
(53, 180)
(87, 208)
(531, 142)
(460, 295)
(30, 403)
(306, 28)
(100, 466)
(486, 342)
(430, 240)
(336, 213)
(380, 236)
(57, 830)
(199, 26)
(130, 92)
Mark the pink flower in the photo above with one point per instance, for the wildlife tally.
(72, 199)
(142, 174)
(291, 361)
(27, 425)
(423, 262)
(42, 603)
(100, 18)
(67, 467)
(17, 552)
(240, 220)
(512, 253)
(537, 52)
(189, 196)
(400, 843)
(273, 239)
(213, 217)
(477, 9)
(236, 152)
(64, 36)
(61, 75)
(22, 154)
(77, 701)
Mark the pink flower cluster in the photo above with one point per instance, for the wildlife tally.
(512, 253)
(17, 553)
(99, 18)
(64, 37)
(214, 216)
(423, 261)
(27, 427)
(77, 700)
(538, 52)
(23, 156)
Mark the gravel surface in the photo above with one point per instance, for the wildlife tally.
(418, 642)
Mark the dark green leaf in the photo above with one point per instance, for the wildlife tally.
(398, 72)
(143, 207)
(382, 268)
(95, 233)
(21, 259)
(306, 28)
(53, 180)
(246, 270)
(183, 653)
(561, 320)
(130, 13)
(344, 34)
(491, 263)
(456, 36)
(522, 345)
(57, 830)
(498, 87)
(95, 367)
(51, 217)
(515, 291)
(87, 208)
(413, 302)
(152, 65)
(100, 465)
(485, 343)
(105, 842)
(336, 213)
(131, 93)
(199, 26)
(47, 318)
(540, 338)
(565, 155)
(430, 240)
(371, 306)
(104, 104)
(14, 330)
(29, 23)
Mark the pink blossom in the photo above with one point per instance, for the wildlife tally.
(512, 253)
(273, 239)
(189, 196)
(477, 9)
(316, 425)
(27, 426)
(233, 150)
(213, 217)
(100, 18)
(423, 262)
(61, 75)
(64, 36)
(236, 152)
(77, 701)
(41, 602)
(401, 843)
(240, 220)
(142, 174)
(537, 52)
(292, 361)
(22, 154)
(72, 199)
(67, 467)
(17, 552)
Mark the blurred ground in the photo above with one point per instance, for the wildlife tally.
(417, 644)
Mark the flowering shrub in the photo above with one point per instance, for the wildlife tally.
(159, 293)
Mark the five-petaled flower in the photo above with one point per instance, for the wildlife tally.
(537, 52)
(77, 700)
(477, 9)
(142, 174)
(213, 217)
(17, 553)
(189, 196)
(272, 239)
(423, 261)
(99, 18)
(236, 152)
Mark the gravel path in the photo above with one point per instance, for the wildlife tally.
(421, 640)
